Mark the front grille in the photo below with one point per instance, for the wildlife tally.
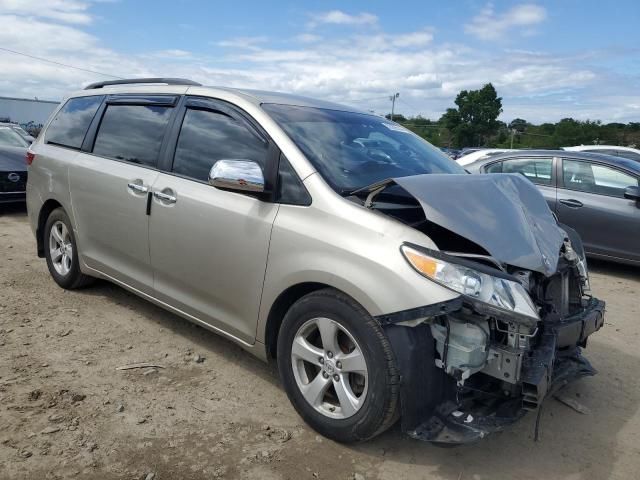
(9, 182)
(12, 197)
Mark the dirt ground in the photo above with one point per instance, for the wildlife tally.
(214, 411)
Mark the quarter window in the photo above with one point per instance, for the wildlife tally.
(133, 133)
(208, 136)
(71, 123)
(538, 170)
(290, 189)
(594, 178)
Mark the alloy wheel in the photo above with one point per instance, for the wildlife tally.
(60, 248)
(329, 368)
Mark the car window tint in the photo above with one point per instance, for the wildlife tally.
(351, 150)
(494, 168)
(538, 170)
(132, 133)
(208, 136)
(594, 178)
(71, 123)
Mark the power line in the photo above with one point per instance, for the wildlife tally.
(410, 106)
(58, 63)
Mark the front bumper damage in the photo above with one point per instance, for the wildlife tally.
(437, 407)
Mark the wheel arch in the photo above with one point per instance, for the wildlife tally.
(46, 209)
(279, 308)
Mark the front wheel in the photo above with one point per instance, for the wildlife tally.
(337, 367)
(61, 252)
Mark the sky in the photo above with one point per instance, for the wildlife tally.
(547, 60)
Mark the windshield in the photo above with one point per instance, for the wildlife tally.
(11, 138)
(21, 131)
(353, 150)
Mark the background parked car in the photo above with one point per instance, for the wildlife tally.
(626, 152)
(9, 137)
(475, 155)
(19, 130)
(13, 174)
(452, 152)
(597, 195)
(13, 169)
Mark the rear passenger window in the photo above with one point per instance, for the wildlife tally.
(132, 133)
(208, 136)
(71, 123)
(594, 178)
(538, 170)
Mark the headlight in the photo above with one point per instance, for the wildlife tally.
(498, 292)
(584, 274)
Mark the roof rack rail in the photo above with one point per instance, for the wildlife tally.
(126, 81)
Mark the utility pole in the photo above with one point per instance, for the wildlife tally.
(513, 133)
(393, 103)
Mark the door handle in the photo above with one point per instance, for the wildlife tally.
(571, 203)
(165, 197)
(137, 187)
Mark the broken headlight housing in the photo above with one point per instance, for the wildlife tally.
(498, 291)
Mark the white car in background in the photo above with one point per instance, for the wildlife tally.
(616, 151)
(478, 154)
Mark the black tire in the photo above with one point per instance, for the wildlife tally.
(378, 411)
(74, 278)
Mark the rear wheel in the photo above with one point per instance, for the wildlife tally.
(337, 367)
(61, 252)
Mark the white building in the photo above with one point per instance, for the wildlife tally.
(26, 111)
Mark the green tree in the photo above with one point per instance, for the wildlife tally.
(518, 124)
(397, 117)
(476, 117)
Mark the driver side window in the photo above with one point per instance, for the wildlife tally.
(208, 136)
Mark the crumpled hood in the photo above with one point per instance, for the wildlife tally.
(503, 213)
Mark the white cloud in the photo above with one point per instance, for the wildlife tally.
(308, 38)
(491, 26)
(361, 68)
(68, 11)
(414, 39)
(172, 53)
(338, 17)
(43, 36)
(242, 42)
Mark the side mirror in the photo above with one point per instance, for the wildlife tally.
(632, 193)
(237, 175)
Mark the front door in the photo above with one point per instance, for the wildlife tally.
(591, 201)
(209, 247)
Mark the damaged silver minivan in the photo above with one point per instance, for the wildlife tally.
(386, 281)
